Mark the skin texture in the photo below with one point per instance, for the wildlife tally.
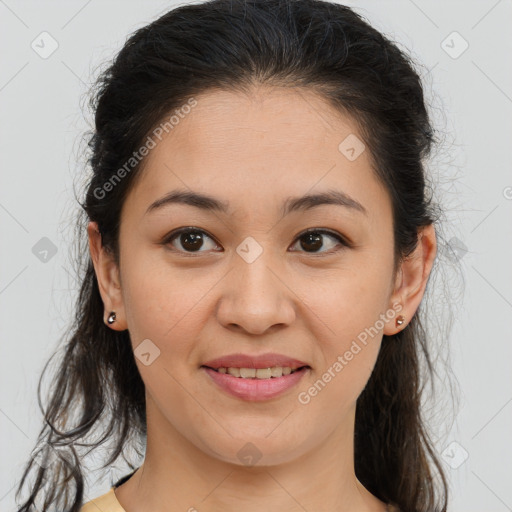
(255, 151)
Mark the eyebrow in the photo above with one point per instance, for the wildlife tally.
(291, 204)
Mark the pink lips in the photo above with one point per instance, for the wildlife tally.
(267, 360)
(255, 389)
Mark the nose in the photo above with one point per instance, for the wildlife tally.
(256, 297)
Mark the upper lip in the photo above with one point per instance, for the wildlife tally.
(267, 360)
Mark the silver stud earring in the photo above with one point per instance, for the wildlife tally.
(112, 317)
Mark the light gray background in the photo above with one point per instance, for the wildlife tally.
(471, 95)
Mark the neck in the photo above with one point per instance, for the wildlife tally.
(178, 476)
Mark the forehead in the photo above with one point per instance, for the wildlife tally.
(253, 150)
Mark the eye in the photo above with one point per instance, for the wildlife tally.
(313, 240)
(191, 239)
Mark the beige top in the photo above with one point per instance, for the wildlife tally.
(108, 503)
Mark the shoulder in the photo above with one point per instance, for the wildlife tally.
(106, 503)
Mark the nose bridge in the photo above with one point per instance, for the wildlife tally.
(255, 272)
(258, 276)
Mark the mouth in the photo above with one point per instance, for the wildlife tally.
(255, 384)
(273, 372)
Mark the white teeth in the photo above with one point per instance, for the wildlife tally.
(259, 373)
(263, 373)
(276, 371)
(246, 373)
(234, 371)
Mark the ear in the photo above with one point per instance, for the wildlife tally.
(411, 279)
(107, 274)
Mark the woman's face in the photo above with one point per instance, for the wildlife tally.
(246, 280)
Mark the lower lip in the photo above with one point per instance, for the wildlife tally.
(255, 389)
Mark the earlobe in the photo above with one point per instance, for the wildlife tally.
(107, 275)
(412, 279)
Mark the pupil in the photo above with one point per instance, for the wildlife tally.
(194, 240)
(314, 240)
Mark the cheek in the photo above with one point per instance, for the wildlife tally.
(164, 304)
(348, 327)
(346, 301)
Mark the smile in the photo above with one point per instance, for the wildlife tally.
(256, 384)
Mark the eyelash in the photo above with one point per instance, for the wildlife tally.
(343, 241)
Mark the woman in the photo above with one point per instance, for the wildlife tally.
(260, 241)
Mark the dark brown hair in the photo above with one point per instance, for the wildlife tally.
(232, 45)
